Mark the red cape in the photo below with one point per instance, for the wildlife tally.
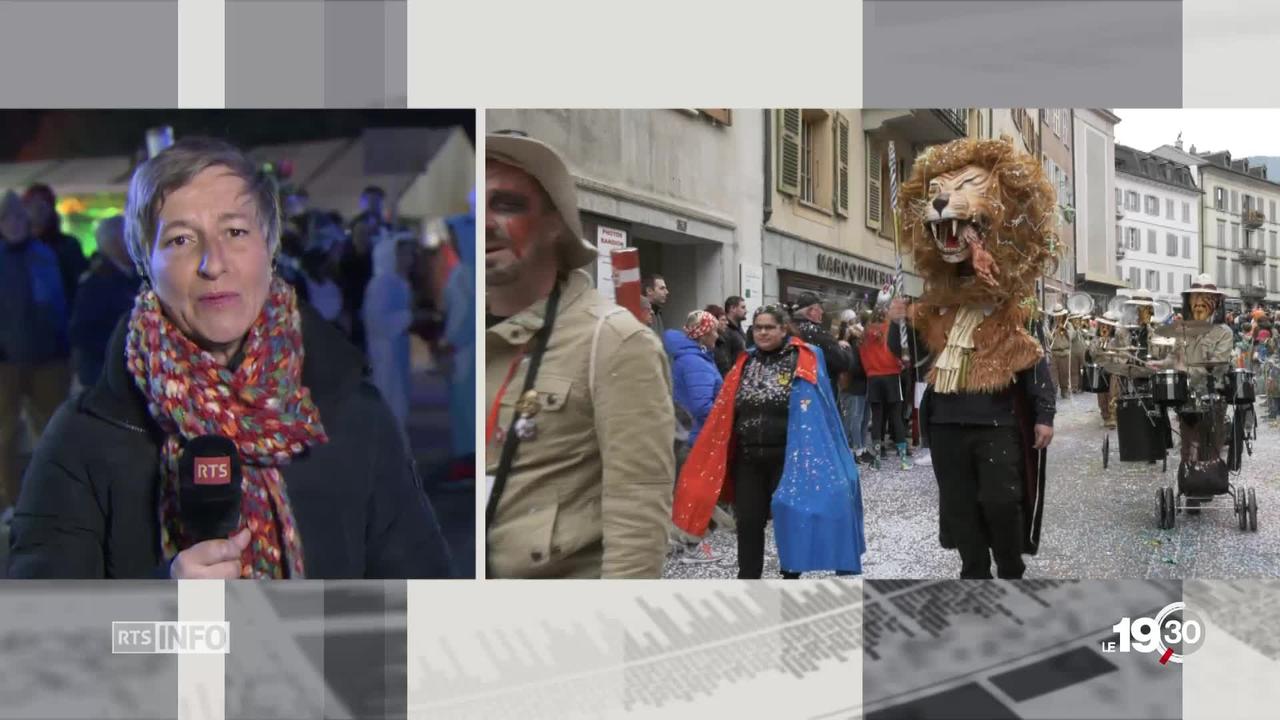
(705, 479)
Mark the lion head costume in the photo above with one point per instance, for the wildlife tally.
(979, 217)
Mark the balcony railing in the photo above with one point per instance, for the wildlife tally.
(1120, 252)
(1119, 212)
(1253, 218)
(1256, 256)
(958, 118)
(1253, 290)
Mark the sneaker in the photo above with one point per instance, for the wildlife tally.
(866, 458)
(699, 554)
(904, 452)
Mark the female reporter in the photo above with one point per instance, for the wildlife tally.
(216, 344)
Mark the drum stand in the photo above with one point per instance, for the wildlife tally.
(1129, 392)
(1240, 430)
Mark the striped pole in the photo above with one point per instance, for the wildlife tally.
(893, 203)
(626, 281)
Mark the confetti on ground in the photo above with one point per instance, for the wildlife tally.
(1097, 523)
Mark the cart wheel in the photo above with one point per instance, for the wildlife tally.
(1106, 451)
(1243, 512)
(1170, 502)
(1253, 511)
(1162, 509)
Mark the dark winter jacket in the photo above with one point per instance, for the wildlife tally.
(695, 381)
(921, 362)
(763, 403)
(106, 293)
(732, 343)
(71, 261)
(88, 503)
(33, 318)
(1035, 385)
(838, 359)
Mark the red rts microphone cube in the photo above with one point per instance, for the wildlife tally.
(213, 470)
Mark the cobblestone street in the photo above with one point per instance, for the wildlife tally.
(1097, 524)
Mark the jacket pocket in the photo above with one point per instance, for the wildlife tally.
(541, 529)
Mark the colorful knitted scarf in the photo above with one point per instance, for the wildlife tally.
(261, 406)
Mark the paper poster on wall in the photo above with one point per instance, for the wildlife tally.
(607, 240)
(751, 280)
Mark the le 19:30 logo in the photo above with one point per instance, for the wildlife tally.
(1173, 633)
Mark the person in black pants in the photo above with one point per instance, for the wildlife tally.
(884, 388)
(761, 408)
(979, 444)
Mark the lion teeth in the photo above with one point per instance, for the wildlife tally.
(955, 227)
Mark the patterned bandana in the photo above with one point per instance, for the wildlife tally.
(705, 322)
(261, 406)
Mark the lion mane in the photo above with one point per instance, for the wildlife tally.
(1021, 237)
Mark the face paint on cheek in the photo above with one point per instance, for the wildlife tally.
(519, 231)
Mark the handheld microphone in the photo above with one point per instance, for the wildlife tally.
(209, 487)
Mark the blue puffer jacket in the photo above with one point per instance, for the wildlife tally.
(33, 325)
(694, 377)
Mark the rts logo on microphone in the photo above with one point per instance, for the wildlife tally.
(213, 470)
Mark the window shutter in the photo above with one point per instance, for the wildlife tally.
(873, 184)
(842, 165)
(789, 151)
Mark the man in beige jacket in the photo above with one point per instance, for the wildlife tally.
(580, 463)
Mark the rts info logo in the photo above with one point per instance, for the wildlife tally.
(1173, 633)
(170, 638)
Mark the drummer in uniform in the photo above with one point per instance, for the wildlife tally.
(1140, 338)
(1079, 348)
(1202, 303)
(1060, 349)
(1105, 339)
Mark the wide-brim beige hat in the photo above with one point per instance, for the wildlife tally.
(1058, 311)
(546, 166)
(1109, 318)
(1203, 284)
(1141, 297)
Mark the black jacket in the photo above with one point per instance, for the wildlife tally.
(1035, 384)
(837, 358)
(106, 292)
(921, 360)
(731, 344)
(88, 504)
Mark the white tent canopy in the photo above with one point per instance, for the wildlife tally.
(443, 189)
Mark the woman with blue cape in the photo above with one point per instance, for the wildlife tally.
(774, 446)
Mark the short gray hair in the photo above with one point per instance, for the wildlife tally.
(173, 168)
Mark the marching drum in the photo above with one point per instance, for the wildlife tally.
(1095, 379)
(1240, 387)
(1169, 387)
(1138, 431)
